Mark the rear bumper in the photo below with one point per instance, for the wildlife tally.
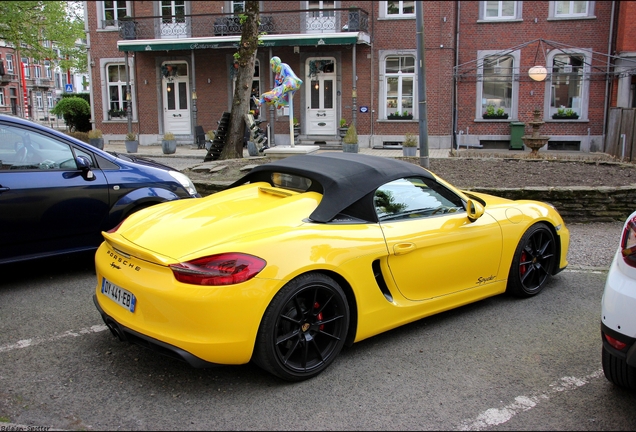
(125, 334)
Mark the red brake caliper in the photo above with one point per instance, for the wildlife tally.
(524, 267)
(319, 316)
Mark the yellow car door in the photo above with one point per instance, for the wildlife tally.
(434, 248)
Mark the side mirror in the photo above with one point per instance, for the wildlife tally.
(474, 209)
(84, 164)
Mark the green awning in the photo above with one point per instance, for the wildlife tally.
(216, 42)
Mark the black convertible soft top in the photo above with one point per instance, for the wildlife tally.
(347, 181)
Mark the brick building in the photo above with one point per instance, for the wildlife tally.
(173, 62)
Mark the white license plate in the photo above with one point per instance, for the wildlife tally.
(122, 297)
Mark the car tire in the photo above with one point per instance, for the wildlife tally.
(617, 371)
(303, 329)
(532, 262)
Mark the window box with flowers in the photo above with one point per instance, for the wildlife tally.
(404, 115)
(565, 114)
(494, 114)
(116, 114)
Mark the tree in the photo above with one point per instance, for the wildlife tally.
(76, 112)
(26, 25)
(245, 58)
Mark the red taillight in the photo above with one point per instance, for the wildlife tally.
(115, 228)
(615, 343)
(628, 243)
(223, 269)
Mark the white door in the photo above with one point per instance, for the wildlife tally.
(173, 22)
(176, 98)
(320, 94)
(322, 17)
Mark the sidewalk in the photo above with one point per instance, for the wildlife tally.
(192, 152)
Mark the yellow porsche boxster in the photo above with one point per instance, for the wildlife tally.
(307, 254)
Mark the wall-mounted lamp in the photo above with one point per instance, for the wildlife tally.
(146, 82)
(194, 95)
(296, 49)
(538, 73)
(208, 80)
(92, 63)
(316, 86)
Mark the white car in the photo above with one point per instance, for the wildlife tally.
(618, 317)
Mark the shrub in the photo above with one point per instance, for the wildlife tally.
(343, 123)
(352, 136)
(76, 113)
(82, 136)
(168, 136)
(131, 136)
(211, 134)
(95, 133)
(409, 140)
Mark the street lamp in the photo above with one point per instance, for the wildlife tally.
(538, 73)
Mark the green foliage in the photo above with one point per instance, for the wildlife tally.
(343, 123)
(351, 136)
(211, 134)
(76, 112)
(30, 22)
(409, 140)
(130, 136)
(168, 136)
(82, 136)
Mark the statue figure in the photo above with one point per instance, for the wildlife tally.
(286, 83)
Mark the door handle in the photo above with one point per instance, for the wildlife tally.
(403, 248)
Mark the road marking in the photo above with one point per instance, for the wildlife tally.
(496, 416)
(24, 343)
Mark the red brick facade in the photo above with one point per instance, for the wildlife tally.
(454, 34)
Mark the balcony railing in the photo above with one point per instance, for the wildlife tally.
(8, 79)
(275, 22)
(42, 82)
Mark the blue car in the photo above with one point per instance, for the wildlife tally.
(57, 194)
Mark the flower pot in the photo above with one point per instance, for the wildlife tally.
(131, 146)
(169, 146)
(350, 148)
(342, 131)
(97, 142)
(409, 151)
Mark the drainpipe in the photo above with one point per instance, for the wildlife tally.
(609, 54)
(194, 94)
(372, 68)
(128, 95)
(455, 91)
(354, 90)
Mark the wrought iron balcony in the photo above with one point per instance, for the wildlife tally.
(8, 79)
(275, 22)
(43, 83)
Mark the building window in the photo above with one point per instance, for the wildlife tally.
(571, 9)
(497, 85)
(1, 97)
(567, 84)
(38, 100)
(499, 10)
(10, 63)
(27, 70)
(113, 11)
(400, 8)
(399, 86)
(237, 6)
(37, 72)
(47, 69)
(116, 90)
(49, 100)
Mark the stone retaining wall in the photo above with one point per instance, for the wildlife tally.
(574, 203)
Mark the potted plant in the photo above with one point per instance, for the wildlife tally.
(211, 134)
(409, 146)
(350, 140)
(565, 114)
(168, 143)
(405, 115)
(492, 113)
(96, 139)
(116, 113)
(296, 127)
(131, 142)
(344, 126)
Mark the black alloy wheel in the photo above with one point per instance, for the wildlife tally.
(303, 329)
(533, 262)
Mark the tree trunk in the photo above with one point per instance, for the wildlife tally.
(245, 58)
